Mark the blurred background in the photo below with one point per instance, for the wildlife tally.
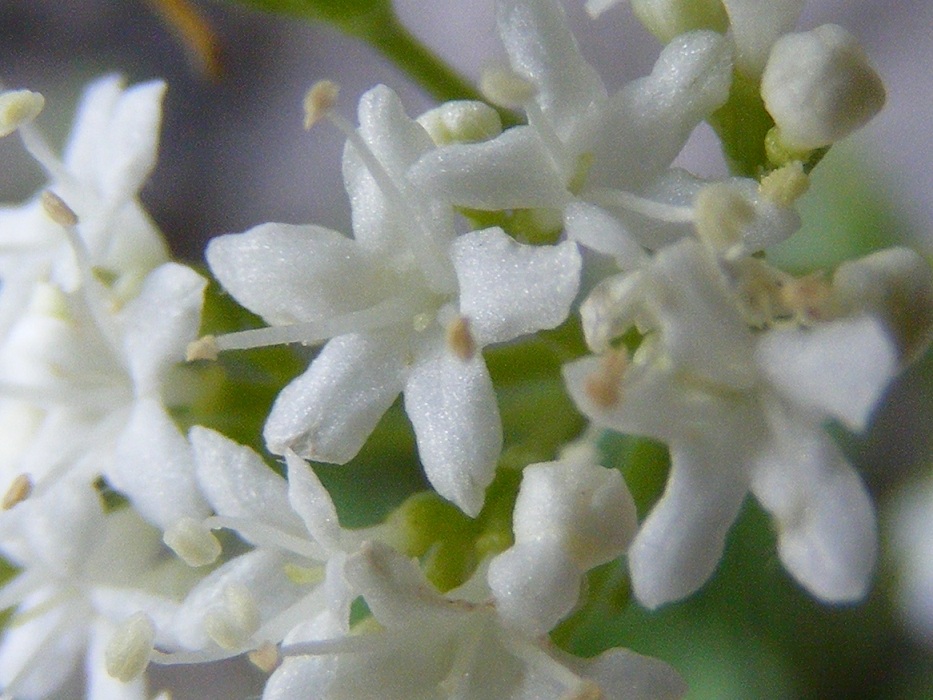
(234, 154)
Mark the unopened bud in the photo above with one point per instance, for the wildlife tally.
(819, 87)
(193, 542)
(128, 651)
(506, 88)
(461, 121)
(18, 107)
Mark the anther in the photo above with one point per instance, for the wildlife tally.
(460, 340)
(127, 653)
(585, 690)
(18, 492)
(193, 542)
(721, 216)
(785, 185)
(810, 298)
(204, 348)
(57, 210)
(17, 108)
(266, 658)
(506, 88)
(319, 101)
(603, 385)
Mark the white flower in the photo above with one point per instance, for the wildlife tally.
(740, 411)
(570, 516)
(430, 646)
(819, 87)
(407, 307)
(109, 154)
(602, 161)
(291, 577)
(83, 576)
(94, 382)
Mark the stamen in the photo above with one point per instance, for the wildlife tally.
(460, 340)
(267, 535)
(721, 216)
(504, 87)
(236, 620)
(127, 653)
(319, 101)
(603, 386)
(19, 491)
(323, 647)
(266, 657)
(386, 313)
(57, 210)
(785, 185)
(193, 542)
(671, 213)
(18, 107)
(811, 298)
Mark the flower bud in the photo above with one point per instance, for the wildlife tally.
(461, 121)
(819, 87)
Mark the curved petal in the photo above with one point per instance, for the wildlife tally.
(288, 274)
(452, 406)
(511, 171)
(756, 26)
(508, 289)
(681, 542)
(827, 536)
(625, 675)
(160, 322)
(839, 369)
(237, 483)
(312, 502)
(327, 413)
(593, 228)
(542, 48)
(154, 467)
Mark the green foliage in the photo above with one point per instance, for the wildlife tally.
(743, 124)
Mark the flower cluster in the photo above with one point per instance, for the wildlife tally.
(466, 235)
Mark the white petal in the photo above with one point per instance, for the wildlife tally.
(288, 274)
(625, 675)
(647, 124)
(535, 585)
(310, 500)
(756, 26)
(840, 369)
(541, 47)
(161, 321)
(237, 483)
(508, 289)
(593, 228)
(116, 135)
(512, 171)
(452, 406)
(680, 543)
(327, 413)
(154, 467)
(585, 507)
(827, 536)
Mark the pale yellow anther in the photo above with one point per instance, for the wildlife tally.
(193, 542)
(460, 340)
(18, 107)
(266, 658)
(785, 185)
(506, 88)
(204, 348)
(810, 298)
(721, 216)
(603, 387)
(585, 690)
(235, 620)
(303, 575)
(19, 491)
(127, 653)
(461, 121)
(57, 210)
(320, 100)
